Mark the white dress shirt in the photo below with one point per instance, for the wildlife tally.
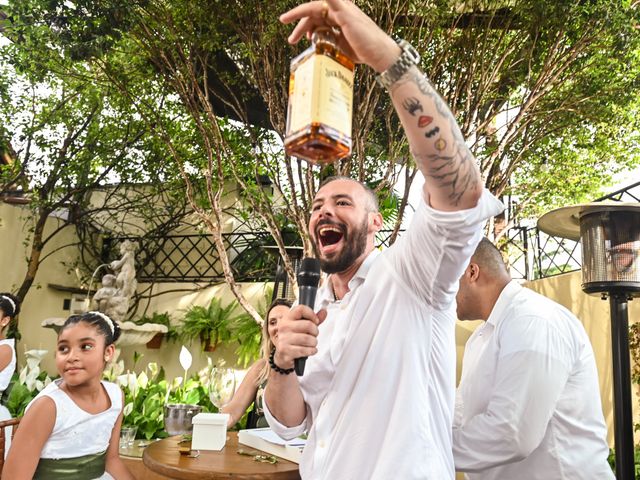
(528, 404)
(380, 391)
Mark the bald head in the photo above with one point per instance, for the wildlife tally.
(372, 198)
(490, 261)
(481, 283)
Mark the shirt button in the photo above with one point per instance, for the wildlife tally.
(321, 444)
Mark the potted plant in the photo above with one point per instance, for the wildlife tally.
(147, 394)
(248, 333)
(160, 319)
(212, 325)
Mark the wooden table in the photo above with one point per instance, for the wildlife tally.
(164, 457)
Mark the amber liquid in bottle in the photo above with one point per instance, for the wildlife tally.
(320, 102)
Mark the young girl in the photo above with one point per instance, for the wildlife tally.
(72, 428)
(9, 308)
(251, 390)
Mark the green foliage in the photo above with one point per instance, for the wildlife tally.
(145, 395)
(211, 325)
(19, 394)
(248, 333)
(636, 461)
(161, 319)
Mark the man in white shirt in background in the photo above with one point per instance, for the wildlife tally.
(378, 389)
(528, 404)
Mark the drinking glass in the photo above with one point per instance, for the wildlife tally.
(127, 436)
(222, 386)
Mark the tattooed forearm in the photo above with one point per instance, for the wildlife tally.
(424, 85)
(439, 150)
(456, 172)
(412, 105)
(431, 133)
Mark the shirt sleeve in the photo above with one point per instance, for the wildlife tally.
(432, 255)
(530, 377)
(284, 432)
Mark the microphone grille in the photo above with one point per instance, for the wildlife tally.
(309, 272)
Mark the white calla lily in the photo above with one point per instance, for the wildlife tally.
(34, 357)
(132, 382)
(143, 380)
(30, 380)
(153, 369)
(23, 375)
(186, 359)
(176, 382)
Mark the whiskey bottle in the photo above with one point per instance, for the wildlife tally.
(320, 101)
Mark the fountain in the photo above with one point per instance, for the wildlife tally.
(113, 298)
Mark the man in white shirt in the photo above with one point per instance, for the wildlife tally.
(528, 404)
(378, 390)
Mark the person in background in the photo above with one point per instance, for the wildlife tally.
(528, 404)
(251, 389)
(9, 308)
(71, 429)
(378, 389)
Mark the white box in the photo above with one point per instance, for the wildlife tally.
(209, 431)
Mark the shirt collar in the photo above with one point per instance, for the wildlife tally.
(505, 298)
(325, 293)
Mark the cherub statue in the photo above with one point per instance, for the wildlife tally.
(125, 270)
(104, 294)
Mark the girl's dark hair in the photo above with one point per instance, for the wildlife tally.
(8, 308)
(99, 320)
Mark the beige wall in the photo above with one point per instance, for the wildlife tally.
(594, 314)
(42, 301)
(176, 304)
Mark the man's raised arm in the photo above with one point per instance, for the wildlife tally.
(452, 177)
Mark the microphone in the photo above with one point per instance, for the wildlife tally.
(308, 279)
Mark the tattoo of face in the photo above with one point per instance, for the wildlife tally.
(431, 132)
(451, 167)
(424, 120)
(412, 105)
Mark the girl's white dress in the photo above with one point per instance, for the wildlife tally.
(5, 379)
(76, 432)
(6, 374)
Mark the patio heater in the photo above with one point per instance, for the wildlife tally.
(610, 237)
(281, 287)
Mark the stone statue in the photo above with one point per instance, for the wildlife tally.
(113, 297)
(125, 269)
(102, 298)
(116, 291)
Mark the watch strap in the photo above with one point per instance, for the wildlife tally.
(408, 58)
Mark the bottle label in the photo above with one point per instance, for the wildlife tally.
(322, 92)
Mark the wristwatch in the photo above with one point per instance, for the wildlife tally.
(408, 58)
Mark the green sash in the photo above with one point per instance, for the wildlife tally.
(86, 467)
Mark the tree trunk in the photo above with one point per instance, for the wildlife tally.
(34, 257)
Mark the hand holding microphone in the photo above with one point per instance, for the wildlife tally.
(298, 330)
(308, 279)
